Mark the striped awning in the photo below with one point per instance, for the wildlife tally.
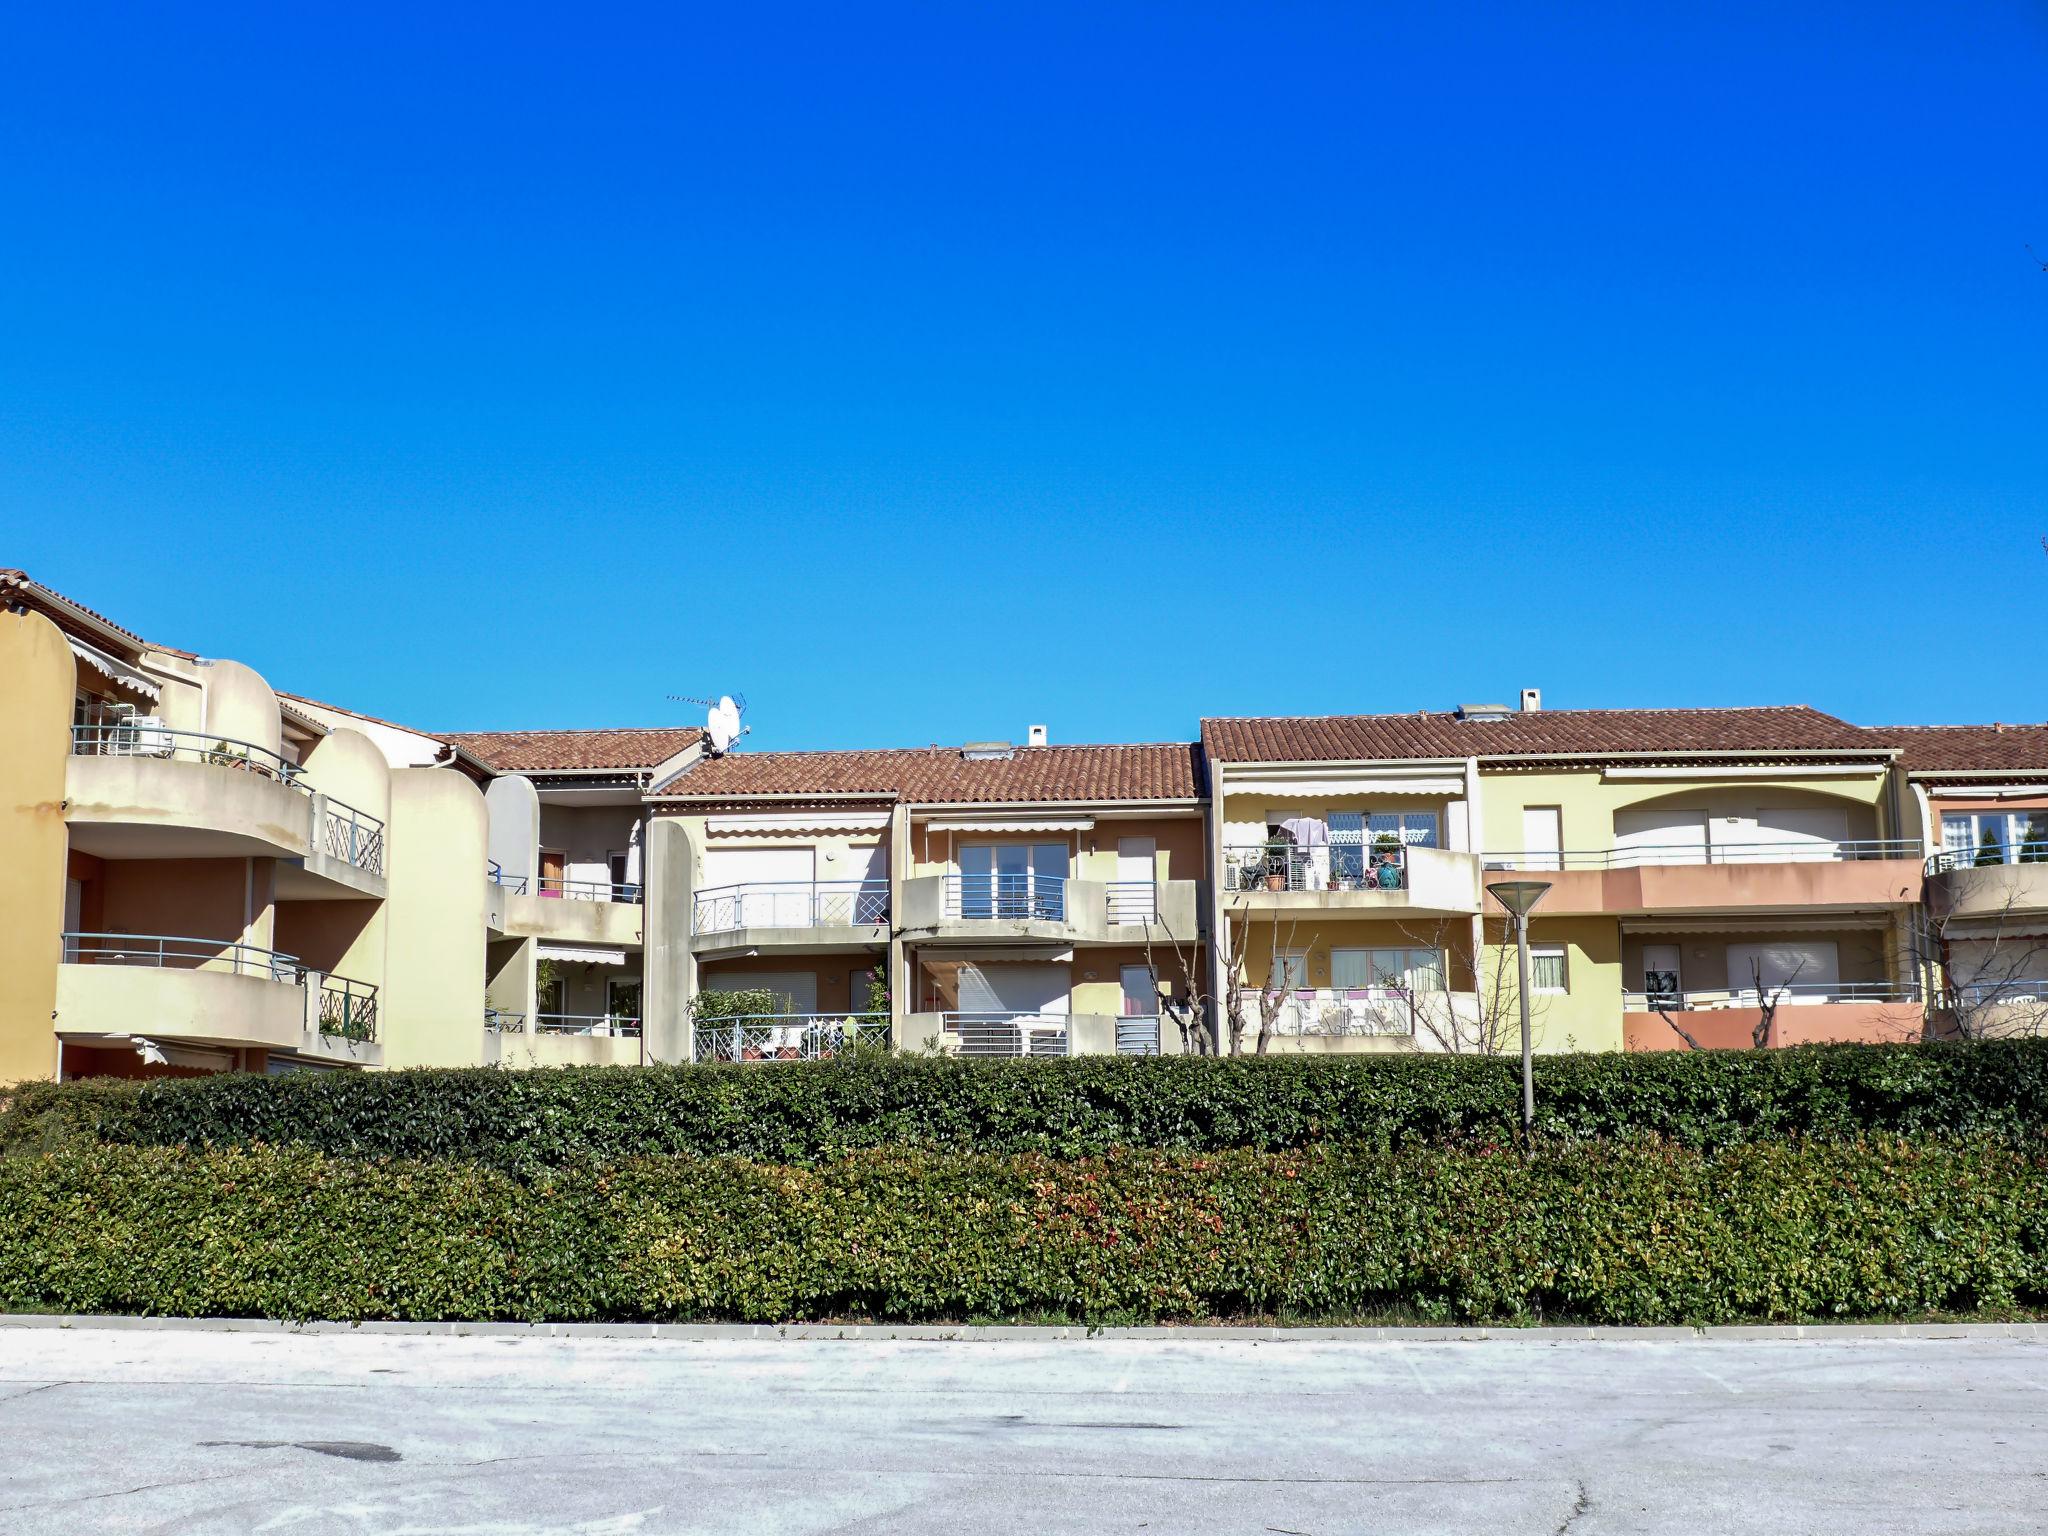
(114, 668)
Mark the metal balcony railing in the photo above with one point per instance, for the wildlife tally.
(2027, 851)
(787, 1036)
(1983, 994)
(148, 739)
(1007, 1034)
(1644, 855)
(1132, 901)
(495, 872)
(1369, 1011)
(557, 889)
(503, 1021)
(173, 952)
(355, 837)
(1026, 894)
(348, 1009)
(790, 904)
(617, 1025)
(1789, 994)
(1342, 867)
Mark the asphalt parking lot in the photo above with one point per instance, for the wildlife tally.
(201, 1432)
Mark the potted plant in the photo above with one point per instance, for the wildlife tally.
(1278, 851)
(1386, 861)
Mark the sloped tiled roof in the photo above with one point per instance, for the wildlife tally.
(1345, 738)
(940, 775)
(597, 750)
(36, 594)
(1968, 748)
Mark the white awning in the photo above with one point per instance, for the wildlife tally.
(1363, 784)
(797, 821)
(1041, 824)
(114, 668)
(579, 954)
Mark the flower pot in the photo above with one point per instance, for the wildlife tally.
(1276, 882)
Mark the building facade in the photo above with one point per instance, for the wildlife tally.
(206, 874)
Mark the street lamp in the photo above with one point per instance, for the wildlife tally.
(1519, 896)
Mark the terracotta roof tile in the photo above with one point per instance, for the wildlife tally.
(37, 595)
(1968, 748)
(1591, 732)
(940, 775)
(597, 750)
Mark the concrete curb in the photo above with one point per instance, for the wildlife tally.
(964, 1333)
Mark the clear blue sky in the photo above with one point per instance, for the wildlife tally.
(924, 372)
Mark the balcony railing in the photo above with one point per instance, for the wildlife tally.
(1645, 855)
(170, 952)
(616, 1025)
(495, 871)
(1991, 994)
(2031, 851)
(503, 1021)
(556, 889)
(1132, 901)
(348, 1009)
(790, 904)
(1025, 894)
(146, 738)
(1007, 1034)
(1137, 1034)
(1344, 867)
(788, 1036)
(355, 837)
(1367, 1011)
(1788, 994)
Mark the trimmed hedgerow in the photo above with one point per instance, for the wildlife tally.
(795, 1113)
(1603, 1233)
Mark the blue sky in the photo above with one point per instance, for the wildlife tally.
(923, 372)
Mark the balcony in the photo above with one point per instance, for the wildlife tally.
(1007, 1034)
(144, 791)
(594, 912)
(518, 1040)
(1698, 877)
(1390, 879)
(607, 1025)
(1970, 884)
(1804, 1013)
(787, 1036)
(210, 992)
(807, 913)
(1032, 907)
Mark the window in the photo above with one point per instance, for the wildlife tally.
(1402, 970)
(1995, 837)
(1547, 969)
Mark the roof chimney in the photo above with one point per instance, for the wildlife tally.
(1035, 735)
(1532, 700)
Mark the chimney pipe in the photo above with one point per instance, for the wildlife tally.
(1532, 700)
(1035, 736)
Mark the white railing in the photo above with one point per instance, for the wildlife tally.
(2027, 851)
(790, 904)
(151, 738)
(617, 1025)
(1025, 894)
(1648, 854)
(786, 1036)
(1992, 994)
(1789, 994)
(1344, 867)
(1007, 1034)
(1391, 1011)
(557, 889)
(1132, 901)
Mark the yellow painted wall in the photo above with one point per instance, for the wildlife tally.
(1588, 1018)
(1178, 853)
(1587, 803)
(1319, 935)
(432, 1007)
(37, 681)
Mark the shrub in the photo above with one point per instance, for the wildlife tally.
(1602, 1233)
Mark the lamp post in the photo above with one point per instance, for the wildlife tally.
(1519, 896)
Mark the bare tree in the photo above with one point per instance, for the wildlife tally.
(1490, 1027)
(1191, 1008)
(1994, 975)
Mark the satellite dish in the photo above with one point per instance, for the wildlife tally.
(722, 723)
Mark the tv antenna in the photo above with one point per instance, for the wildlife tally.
(722, 725)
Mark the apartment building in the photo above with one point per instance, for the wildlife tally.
(207, 874)
(989, 899)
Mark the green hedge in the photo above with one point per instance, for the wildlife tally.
(1603, 1233)
(799, 1113)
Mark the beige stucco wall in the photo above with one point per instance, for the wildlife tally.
(433, 1004)
(37, 681)
(346, 765)
(1587, 802)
